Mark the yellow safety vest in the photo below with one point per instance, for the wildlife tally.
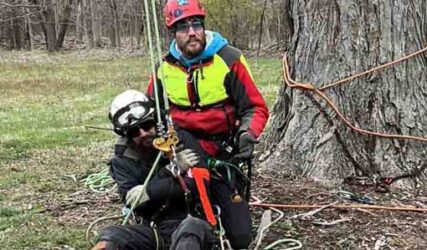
(210, 87)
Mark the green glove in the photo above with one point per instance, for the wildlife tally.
(136, 196)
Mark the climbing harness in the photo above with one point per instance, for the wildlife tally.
(235, 177)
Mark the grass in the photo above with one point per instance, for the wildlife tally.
(46, 100)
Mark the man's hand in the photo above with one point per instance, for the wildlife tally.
(246, 146)
(187, 159)
(136, 196)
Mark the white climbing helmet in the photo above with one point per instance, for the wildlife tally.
(130, 109)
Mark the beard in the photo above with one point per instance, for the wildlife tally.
(193, 47)
(145, 143)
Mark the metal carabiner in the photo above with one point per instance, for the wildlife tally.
(174, 169)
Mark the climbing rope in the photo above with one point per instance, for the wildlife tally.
(152, 60)
(88, 230)
(150, 174)
(100, 182)
(265, 228)
(287, 241)
(319, 91)
(351, 78)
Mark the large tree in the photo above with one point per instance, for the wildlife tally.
(335, 39)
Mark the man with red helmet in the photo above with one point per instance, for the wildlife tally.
(213, 96)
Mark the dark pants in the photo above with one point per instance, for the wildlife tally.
(190, 233)
(235, 216)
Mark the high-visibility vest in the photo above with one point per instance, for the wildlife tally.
(209, 83)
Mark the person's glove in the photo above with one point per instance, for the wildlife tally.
(246, 144)
(186, 159)
(136, 196)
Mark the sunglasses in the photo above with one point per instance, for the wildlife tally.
(184, 27)
(134, 132)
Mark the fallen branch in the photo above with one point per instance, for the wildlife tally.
(311, 213)
(330, 223)
(348, 206)
(366, 211)
(265, 221)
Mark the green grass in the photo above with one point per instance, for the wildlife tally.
(46, 100)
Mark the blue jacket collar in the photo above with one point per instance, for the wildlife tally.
(214, 43)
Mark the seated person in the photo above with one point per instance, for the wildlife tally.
(167, 206)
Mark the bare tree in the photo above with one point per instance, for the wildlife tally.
(334, 39)
(116, 30)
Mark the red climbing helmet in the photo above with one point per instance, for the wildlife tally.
(176, 10)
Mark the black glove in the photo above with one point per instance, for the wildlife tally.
(246, 146)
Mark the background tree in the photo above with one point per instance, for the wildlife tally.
(335, 39)
(247, 24)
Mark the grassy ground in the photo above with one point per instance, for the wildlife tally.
(46, 100)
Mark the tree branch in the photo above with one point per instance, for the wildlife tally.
(19, 5)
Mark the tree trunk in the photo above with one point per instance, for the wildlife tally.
(335, 39)
(48, 18)
(116, 22)
(93, 5)
(87, 24)
(79, 22)
(29, 28)
(63, 23)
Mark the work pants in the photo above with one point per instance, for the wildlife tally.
(235, 216)
(190, 233)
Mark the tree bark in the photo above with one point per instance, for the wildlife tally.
(29, 28)
(79, 22)
(115, 16)
(48, 18)
(63, 23)
(93, 5)
(335, 39)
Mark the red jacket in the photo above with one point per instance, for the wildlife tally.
(241, 109)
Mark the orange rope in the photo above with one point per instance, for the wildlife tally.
(372, 207)
(310, 87)
(350, 78)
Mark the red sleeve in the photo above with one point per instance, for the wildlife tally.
(250, 104)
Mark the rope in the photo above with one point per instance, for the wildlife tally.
(150, 174)
(159, 53)
(310, 87)
(99, 182)
(153, 63)
(278, 242)
(96, 222)
(350, 78)
(264, 229)
(344, 206)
